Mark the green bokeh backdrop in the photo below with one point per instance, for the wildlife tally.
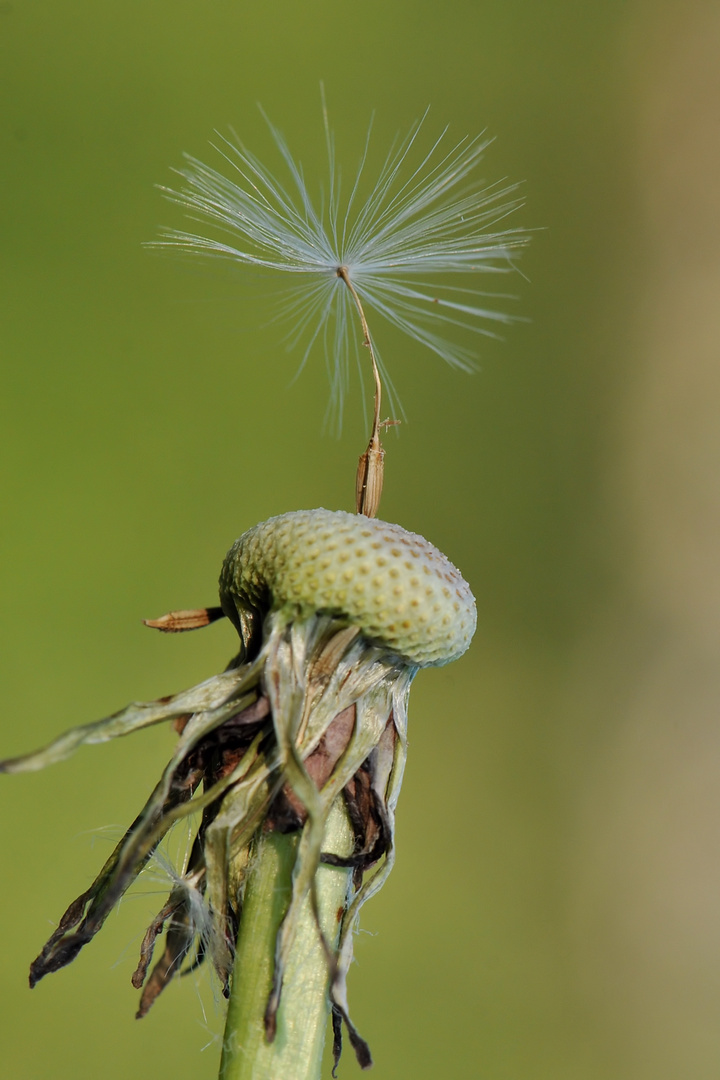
(147, 419)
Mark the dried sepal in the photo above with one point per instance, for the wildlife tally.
(134, 717)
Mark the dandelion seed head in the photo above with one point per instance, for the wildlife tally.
(408, 246)
(395, 586)
(336, 613)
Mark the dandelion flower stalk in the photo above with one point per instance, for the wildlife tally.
(296, 1050)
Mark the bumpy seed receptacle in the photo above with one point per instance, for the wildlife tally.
(399, 590)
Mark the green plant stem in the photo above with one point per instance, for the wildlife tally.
(296, 1052)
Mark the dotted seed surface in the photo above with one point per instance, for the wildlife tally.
(399, 589)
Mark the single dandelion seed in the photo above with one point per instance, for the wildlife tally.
(402, 255)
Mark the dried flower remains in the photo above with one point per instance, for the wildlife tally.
(336, 613)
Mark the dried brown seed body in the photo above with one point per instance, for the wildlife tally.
(369, 482)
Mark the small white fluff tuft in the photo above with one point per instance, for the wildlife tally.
(428, 217)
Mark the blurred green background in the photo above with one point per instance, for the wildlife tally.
(555, 911)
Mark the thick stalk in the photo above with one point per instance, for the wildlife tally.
(296, 1051)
